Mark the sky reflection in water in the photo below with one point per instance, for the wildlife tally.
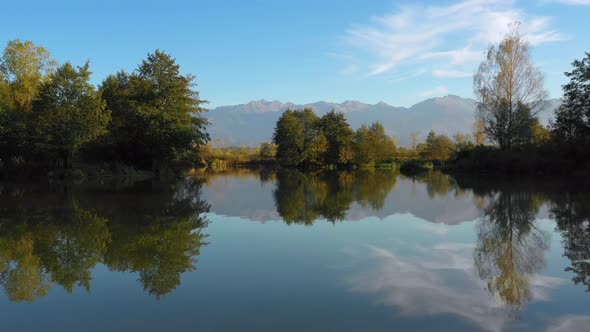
(258, 250)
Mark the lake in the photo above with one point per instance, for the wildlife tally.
(260, 250)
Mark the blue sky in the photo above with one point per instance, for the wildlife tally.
(399, 52)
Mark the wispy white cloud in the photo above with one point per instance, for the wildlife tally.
(574, 2)
(398, 77)
(438, 91)
(419, 286)
(450, 73)
(454, 35)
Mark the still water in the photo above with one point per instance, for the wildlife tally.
(251, 250)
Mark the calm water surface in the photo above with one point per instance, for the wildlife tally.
(265, 251)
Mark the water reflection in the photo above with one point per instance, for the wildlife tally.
(297, 197)
(510, 248)
(571, 211)
(303, 198)
(57, 235)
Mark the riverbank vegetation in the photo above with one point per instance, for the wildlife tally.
(53, 118)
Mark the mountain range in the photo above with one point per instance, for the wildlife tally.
(254, 122)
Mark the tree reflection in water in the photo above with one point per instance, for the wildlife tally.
(571, 211)
(58, 234)
(58, 237)
(302, 198)
(510, 248)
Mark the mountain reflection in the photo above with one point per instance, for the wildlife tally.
(57, 235)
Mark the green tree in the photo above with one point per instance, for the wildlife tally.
(437, 148)
(24, 66)
(69, 112)
(372, 145)
(318, 147)
(364, 150)
(268, 151)
(572, 118)
(296, 137)
(157, 114)
(339, 136)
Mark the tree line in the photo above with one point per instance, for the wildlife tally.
(303, 139)
(51, 115)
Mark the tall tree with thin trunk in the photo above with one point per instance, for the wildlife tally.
(510, 91)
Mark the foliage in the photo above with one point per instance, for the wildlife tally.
(24, 67)
(510, 249)
(479, 133)
(52, 239)
(463, 142)
(216, 155)
(510, 91)
(47, 114)
(572, 118)
(302, 198)
(303, 139)
(437, 148)
(68, 112)
(540, 135)
(296, 136)
(156, 112)
(339, 137)
(572, 214)
(372, 145)
(268, 151)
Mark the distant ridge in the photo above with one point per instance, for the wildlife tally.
(254, 122)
